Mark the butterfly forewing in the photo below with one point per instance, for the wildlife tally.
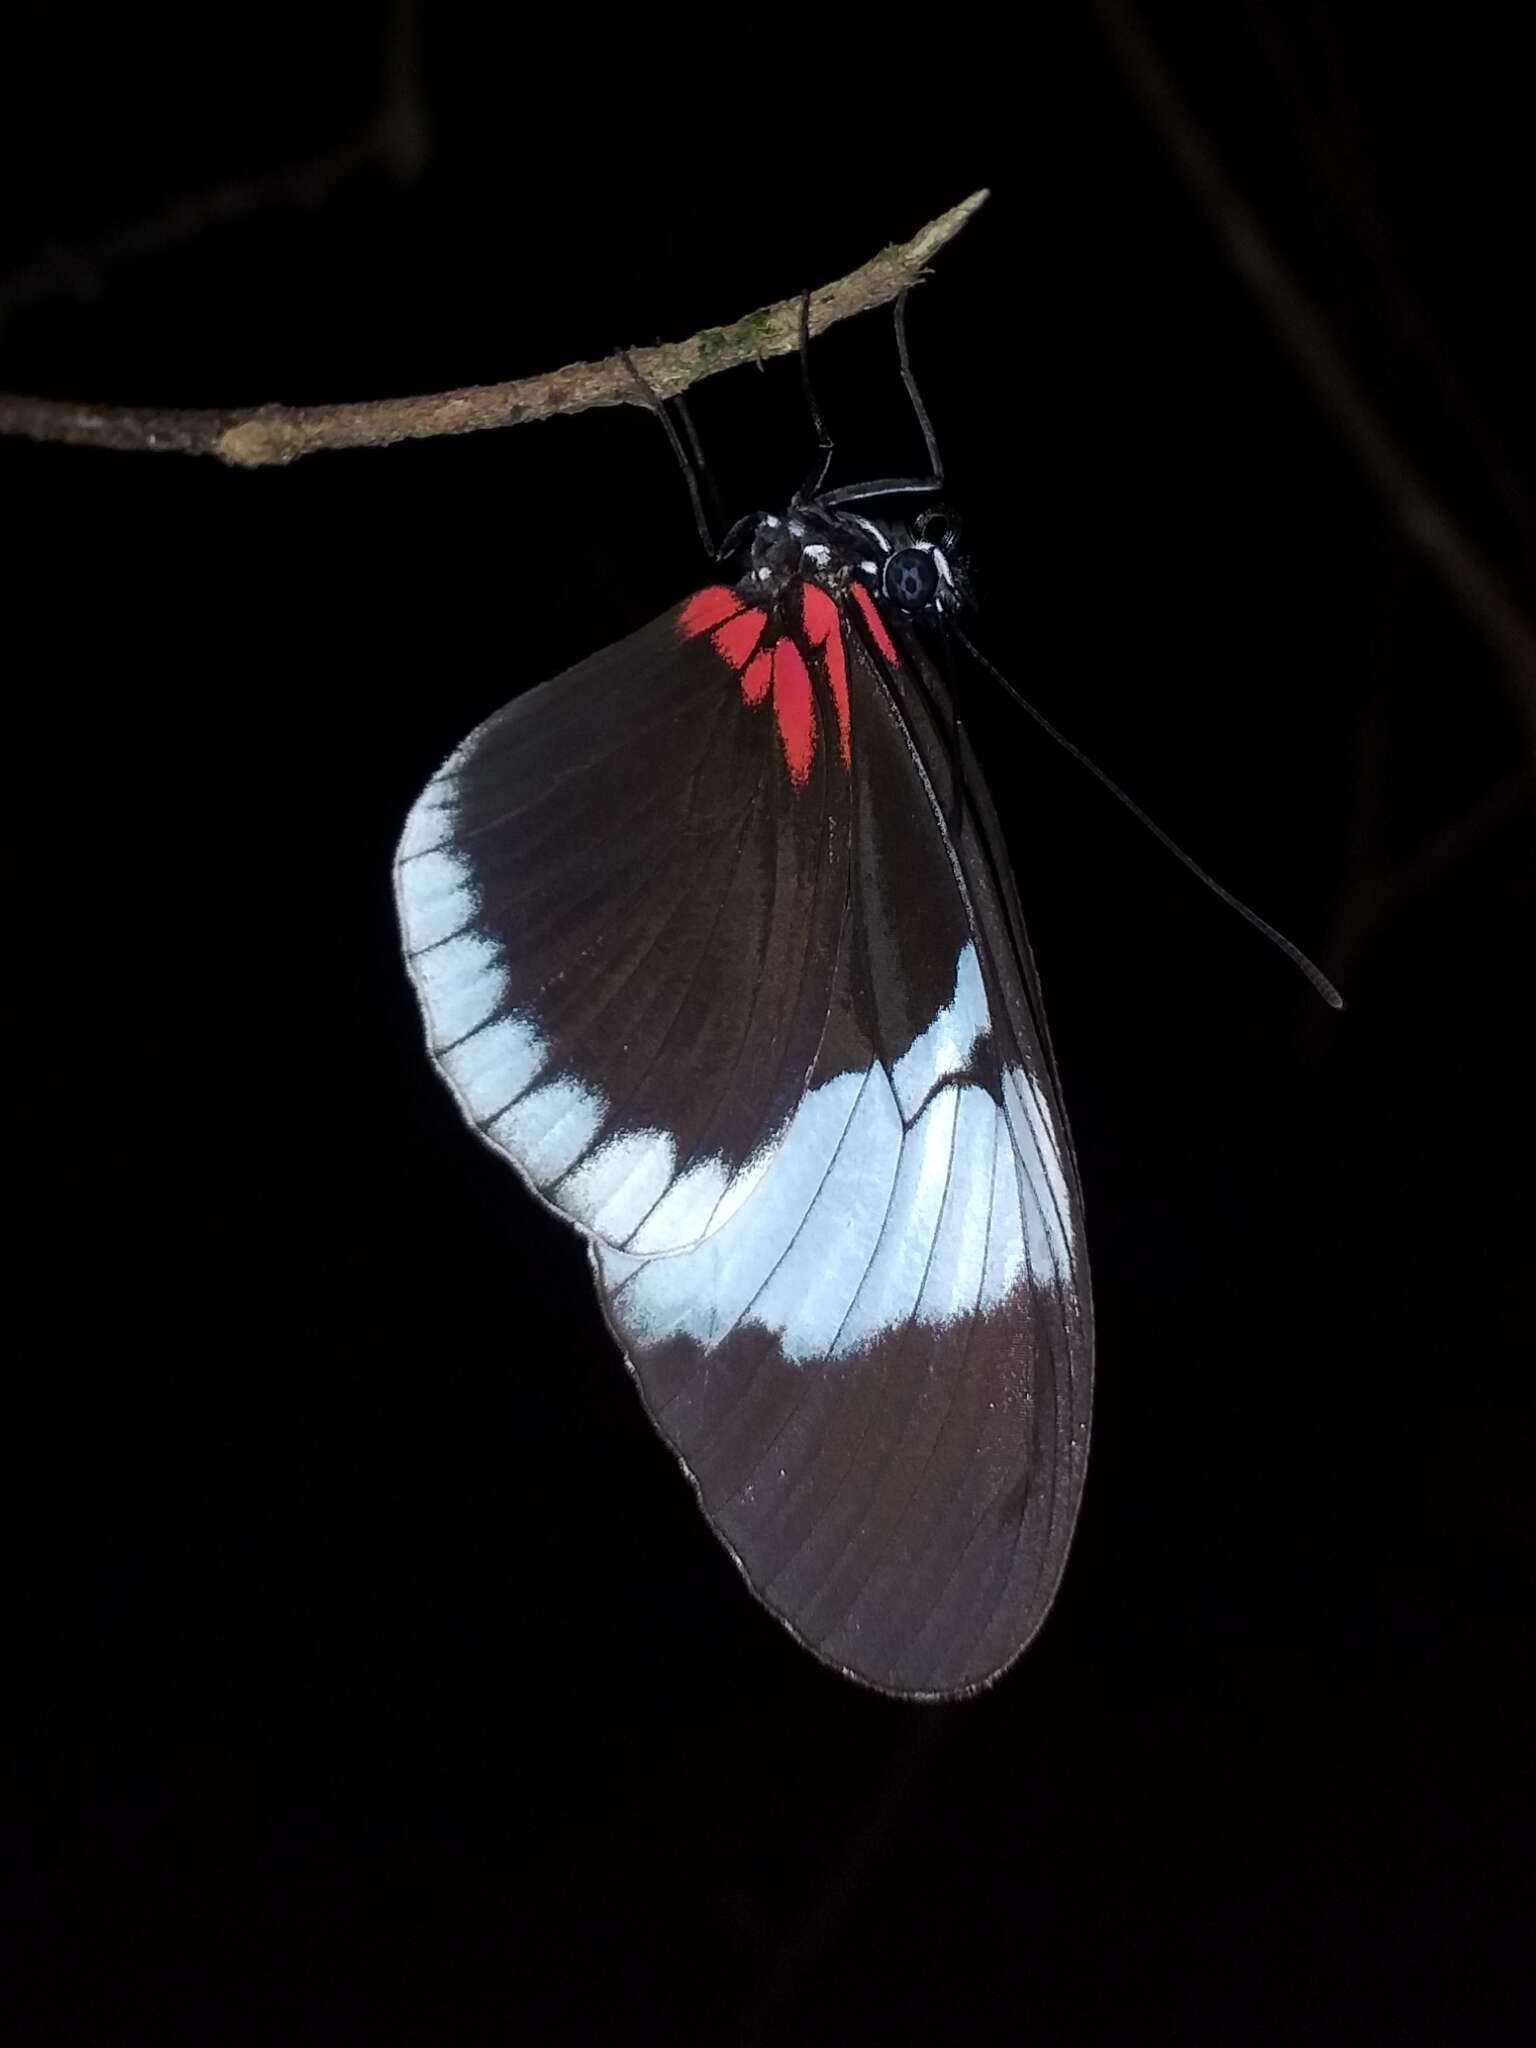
(733, 995)
(622, 938)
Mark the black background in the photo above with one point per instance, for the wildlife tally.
(375, 1678)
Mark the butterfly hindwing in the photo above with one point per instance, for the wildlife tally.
(876, 1371)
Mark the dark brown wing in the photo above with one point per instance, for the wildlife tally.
(622, 922)
(877, 1368)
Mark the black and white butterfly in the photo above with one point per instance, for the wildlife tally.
(716, 940)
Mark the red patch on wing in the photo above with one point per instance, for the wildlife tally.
(739, 636)
(794, 709)
(824, 629)
(707, 608)
(756, 676)
(737, 630)
(876, 624)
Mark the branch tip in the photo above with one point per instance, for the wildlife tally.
(271, 436)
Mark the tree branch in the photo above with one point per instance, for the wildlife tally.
(251, 437)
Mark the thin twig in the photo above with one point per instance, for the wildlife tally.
(1421, 517)
(252, 436)
(1333, 144)
(395, 139)
(80, 272)
(865, 1843)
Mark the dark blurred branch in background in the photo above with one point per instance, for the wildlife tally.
(1331, 141)
(1300, 326)
(253, 436)
(394, 141)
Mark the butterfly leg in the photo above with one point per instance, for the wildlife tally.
(690, 459)
(811, 488)
(900, 486)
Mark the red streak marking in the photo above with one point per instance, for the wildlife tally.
(819, 613)
(824, 629)
(756, 677)
(876, 624)
(794, 709)
(738, 637)
(708, 608)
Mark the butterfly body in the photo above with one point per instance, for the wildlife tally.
(716, 941)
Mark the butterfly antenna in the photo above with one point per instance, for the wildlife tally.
(1293, 953)
(691, 465)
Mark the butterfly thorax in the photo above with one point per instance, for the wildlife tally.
(835, 547)
(798, 548)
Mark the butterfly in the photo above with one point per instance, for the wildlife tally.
(716, 941)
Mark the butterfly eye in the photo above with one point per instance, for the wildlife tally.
(911, 578)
